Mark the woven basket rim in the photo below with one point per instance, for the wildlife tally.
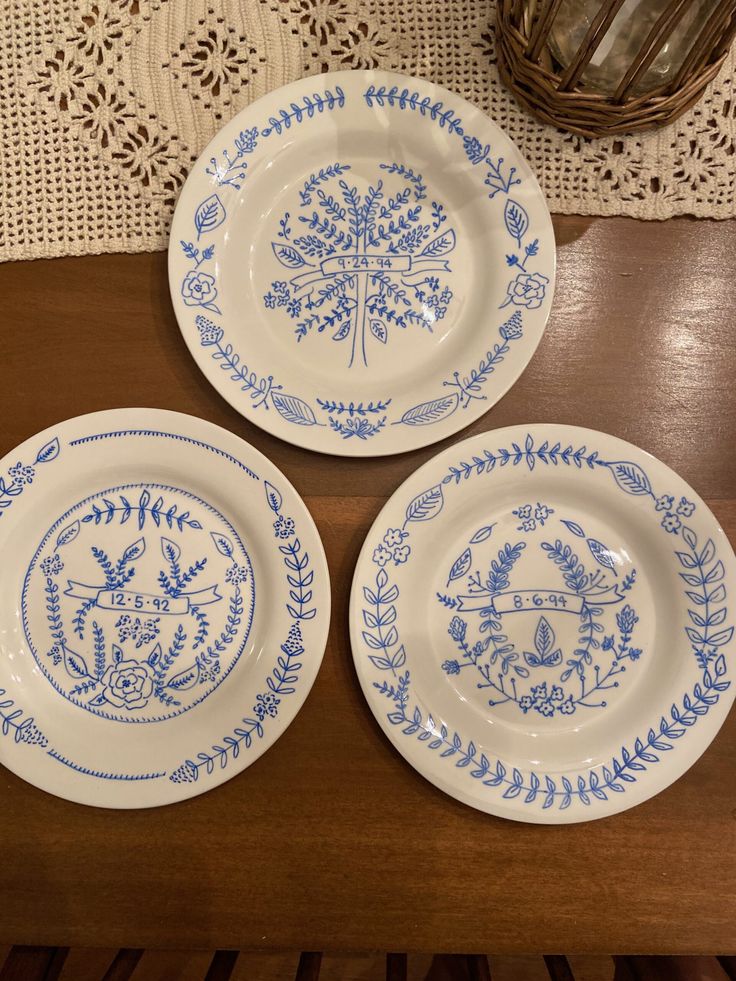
(589, 112)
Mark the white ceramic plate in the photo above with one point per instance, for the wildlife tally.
(164, 611)
(361, 263)
(540, 623)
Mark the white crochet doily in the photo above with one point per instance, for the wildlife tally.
(105, 104)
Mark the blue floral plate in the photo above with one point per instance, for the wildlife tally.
(165, 612)
(361, 263)
(540, 623)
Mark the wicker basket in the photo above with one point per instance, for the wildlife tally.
(556, 95)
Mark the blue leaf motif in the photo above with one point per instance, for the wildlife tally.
(426, 505)
(691, 538)
(222, 543)
(273, 496)
(184, 679)
(170, 550)
(517, 220)
(511, 792)
(603, 556)
(49, 451)
(68, 534)
(440, 245)
(482, 534)
(574, 528)
(630, 477)
(460, 566)
(378, 329)
(289, 256)
(75, 664)
(426, 413)
(544, 639)
(372, 641)
(293, 409)
(209, 215)
(544, 636)
(135, 550)
(709, 549)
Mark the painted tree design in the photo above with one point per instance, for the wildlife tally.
(365, 264)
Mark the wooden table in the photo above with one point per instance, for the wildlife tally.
(330, 840)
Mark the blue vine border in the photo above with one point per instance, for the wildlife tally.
(199, 287)
(704, 575)
(13, 720)
(282, 680)
(21, 475)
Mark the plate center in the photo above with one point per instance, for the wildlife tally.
(367, 266)
(542, 617)
(366, 257)
(138, 602)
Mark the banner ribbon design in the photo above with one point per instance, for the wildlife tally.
(525, 600)
(127, 599)
(404, 264)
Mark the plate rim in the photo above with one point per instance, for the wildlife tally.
(658, 780)
(148, 418)
(235, 397)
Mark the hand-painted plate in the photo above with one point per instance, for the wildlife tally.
(165, 611)
(540, 623)
(361, 263)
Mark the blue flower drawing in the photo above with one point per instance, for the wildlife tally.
(671, 523)
(24, 475)
(367, 263)
(391, 549)
(199, 290)
(52, 565)
(457, 629)
(209, 333)
(527, 290)
(128, 684)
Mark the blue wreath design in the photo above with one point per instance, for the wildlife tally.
(704, 574)
(143, 510)
(13, 720)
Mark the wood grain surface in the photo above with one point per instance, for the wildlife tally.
(331, 841)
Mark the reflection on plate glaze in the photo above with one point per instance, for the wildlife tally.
(365, 260)
(148, 595)
(586, 589)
